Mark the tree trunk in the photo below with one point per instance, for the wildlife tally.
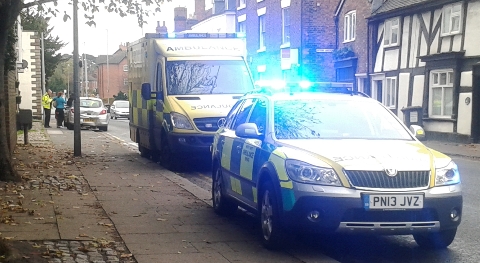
(9, 11)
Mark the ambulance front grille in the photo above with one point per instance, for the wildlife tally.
(207, 124)
(380, 179)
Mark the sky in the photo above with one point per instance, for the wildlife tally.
(110, 28)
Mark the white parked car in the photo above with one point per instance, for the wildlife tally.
(120, 109)
(93, 114)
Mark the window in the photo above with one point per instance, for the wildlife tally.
(232, 114)
(452, 19)
(441, 93)
(242, 3)
(125, 67)
(390, 92)
(392, 30)
(261, 26)
(242, 27)
(259, 115)
(286, 25)
(243, 113)
(350, 26)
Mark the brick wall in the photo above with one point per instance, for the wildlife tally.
(359, 46)
(117, 76)
(11, 109)
(311, 29)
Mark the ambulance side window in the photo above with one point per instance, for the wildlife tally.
(159, 85)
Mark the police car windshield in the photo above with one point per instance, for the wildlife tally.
(335, 119)
(198, 77)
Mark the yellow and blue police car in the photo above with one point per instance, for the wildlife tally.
(336, 161)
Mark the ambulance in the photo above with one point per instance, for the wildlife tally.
(181, 87)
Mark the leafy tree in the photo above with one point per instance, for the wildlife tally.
(9, 11)
(120, 96)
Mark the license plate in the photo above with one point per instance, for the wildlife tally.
(88, 120)
(389, 201)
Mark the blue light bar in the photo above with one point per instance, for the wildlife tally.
(195, 35)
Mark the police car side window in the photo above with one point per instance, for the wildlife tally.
(232, 114)
(259, 115)
(243, 114)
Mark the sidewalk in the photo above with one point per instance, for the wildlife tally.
(111, 205)
(455, 149)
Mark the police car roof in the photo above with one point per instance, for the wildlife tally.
(308, 95)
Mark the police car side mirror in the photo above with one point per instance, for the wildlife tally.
(248, 130)
(146, 91)
(418, 132)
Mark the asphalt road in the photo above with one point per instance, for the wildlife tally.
(366, 249)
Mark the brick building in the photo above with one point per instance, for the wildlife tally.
(112, 74)
(351, 56)
(289, 39)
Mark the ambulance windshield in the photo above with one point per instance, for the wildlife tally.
(199, 77)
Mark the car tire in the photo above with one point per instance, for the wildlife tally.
(221, 204)
(167, 158)
(271, 232)
(103, 128)
(436, 240)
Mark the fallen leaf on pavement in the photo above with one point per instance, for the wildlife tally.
(161, 219)
(126, 255)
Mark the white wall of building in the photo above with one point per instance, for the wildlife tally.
(26, 78)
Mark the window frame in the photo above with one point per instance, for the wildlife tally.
(388, 32)
(449, 84)
(459, 14)
(285, 26)
(125, 68)
(350, 26)
(261, 32)
(389, 96)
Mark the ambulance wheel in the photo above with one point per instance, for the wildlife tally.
(436, 240)
(272, 234)
(167, 159)
(144, 152)
(221, 204)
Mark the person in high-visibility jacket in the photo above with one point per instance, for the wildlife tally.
(47, 107)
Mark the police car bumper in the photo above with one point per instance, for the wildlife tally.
(344, 211)
(190, 143)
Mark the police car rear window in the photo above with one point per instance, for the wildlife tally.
(317, 119)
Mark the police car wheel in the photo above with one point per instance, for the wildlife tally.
(272, 234)
(221, 205)
(437, 240)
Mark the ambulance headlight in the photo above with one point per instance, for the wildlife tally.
(179, 121)
(306, 173)
(447, 175)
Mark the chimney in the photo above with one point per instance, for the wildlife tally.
(161, 29)
(180, 19)
(199, 10)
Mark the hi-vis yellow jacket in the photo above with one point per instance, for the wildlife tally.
(46, 101)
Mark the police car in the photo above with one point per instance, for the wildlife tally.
(332, 161)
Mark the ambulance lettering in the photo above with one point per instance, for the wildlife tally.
(205, 107)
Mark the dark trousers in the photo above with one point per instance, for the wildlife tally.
(59, 114)
(48, 113)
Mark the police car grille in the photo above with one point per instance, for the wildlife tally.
(380, 179)
(207, 124)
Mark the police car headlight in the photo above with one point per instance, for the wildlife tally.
(447, 175)
(179, 121)
(307, 173)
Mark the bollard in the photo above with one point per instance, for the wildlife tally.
(25, 134)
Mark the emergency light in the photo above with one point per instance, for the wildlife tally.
(195, 35)
(279, 86)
